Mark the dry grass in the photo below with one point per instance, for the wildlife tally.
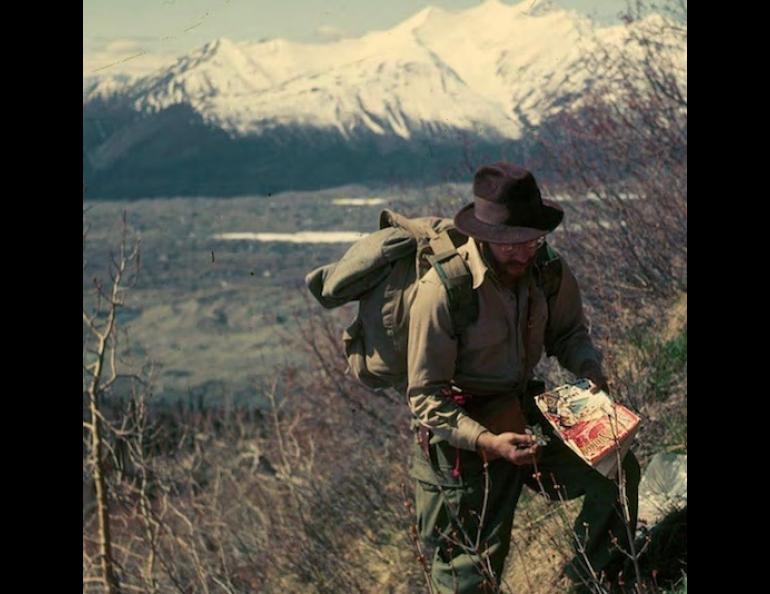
(677, 319)
(541, 545)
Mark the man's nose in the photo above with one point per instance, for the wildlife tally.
(518, 252)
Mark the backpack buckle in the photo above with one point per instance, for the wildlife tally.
(441, 256)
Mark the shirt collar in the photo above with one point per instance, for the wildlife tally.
(476, 263)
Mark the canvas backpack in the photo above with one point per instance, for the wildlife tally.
(382, 270)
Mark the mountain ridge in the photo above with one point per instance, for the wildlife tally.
(444, 78)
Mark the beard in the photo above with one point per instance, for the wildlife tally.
(514, 270)
(512, 267)
(508, 265)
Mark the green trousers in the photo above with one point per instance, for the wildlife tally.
(465, 517)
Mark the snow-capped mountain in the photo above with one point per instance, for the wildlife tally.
(481, 73)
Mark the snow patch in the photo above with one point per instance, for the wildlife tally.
(358, 201)
(299, 237)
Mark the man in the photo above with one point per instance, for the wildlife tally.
(469, 396)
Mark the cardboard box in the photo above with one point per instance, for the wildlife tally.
(592, 425)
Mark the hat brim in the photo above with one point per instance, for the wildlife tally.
(466, 223)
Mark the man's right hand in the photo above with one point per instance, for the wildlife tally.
(517, 448)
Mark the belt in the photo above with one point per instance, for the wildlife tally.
(467, 402)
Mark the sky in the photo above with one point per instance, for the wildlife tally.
(135, 36)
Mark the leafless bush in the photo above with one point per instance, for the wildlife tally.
(100, 374)
(264, 507)
(621, 162)
(300, 494)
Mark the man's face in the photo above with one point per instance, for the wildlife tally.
(513, 259)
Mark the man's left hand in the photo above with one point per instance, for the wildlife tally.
(593, 371)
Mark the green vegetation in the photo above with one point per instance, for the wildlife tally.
(664, 359)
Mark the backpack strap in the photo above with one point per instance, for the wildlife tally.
(457, 280)
(548, 272)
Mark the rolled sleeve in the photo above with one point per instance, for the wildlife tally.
(431, 366)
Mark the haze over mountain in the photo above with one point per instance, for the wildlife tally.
(399, 105)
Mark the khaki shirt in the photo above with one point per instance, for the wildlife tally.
(496, 354)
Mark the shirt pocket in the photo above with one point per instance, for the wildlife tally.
(487, 332)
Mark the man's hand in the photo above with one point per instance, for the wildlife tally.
(517, 448)
(593, 371)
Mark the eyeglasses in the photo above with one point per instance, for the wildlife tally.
(528, 246)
